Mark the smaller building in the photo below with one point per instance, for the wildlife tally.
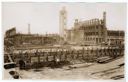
(18, 39)
(115, 37)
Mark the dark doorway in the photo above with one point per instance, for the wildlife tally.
(22, 64)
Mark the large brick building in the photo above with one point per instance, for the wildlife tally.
(93, 32)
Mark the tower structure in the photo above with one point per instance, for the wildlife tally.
(63, 22)
(104, 18)
(105, 28)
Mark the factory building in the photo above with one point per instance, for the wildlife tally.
(89, 32)
(93, 32)
(19, 39)
(115, 37)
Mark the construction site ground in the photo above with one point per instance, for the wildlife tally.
(84, 71)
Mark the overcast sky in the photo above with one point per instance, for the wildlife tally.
(44, 17)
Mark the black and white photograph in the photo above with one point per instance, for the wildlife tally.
(63, 40)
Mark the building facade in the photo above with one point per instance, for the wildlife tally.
(93, 32)
(90, 32)
(115, 37)
(19, 39)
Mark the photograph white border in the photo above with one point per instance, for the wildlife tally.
(90, 1)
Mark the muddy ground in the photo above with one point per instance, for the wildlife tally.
(84, 71)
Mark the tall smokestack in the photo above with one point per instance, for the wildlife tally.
(105, 27)
(29, 29)
(104, 18)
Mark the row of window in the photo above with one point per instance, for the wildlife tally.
(115, 34)
(93, 33)
(94, 39)
(92, 27)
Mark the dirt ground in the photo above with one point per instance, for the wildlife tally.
(85, 71)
